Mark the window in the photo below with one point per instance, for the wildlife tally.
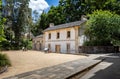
(58, 35)
(68, 34)
(49, 37)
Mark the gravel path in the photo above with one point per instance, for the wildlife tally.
(32, 60)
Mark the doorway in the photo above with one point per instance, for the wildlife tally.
(57, 48)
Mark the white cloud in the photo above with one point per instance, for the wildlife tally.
(38, 5)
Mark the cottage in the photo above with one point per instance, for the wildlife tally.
(65, 38)
(38, 43)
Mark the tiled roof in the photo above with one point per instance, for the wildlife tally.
(39, 36)
(67, 25)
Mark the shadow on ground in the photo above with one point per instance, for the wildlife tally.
(112, 71)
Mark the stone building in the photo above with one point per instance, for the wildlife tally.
(65, 38)
(38, 43)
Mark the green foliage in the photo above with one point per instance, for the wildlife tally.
(71, 10)
(5, 45)
(2, 20)
(27, 44)
(4, 60)
(103, 28)
(21, 23)
(18, 20)
(0, 5)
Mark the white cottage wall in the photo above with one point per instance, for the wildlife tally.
(62, 41)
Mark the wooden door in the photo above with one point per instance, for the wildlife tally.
(57, 49)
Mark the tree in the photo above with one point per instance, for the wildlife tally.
(39, 25)
(2, 20)
(20, 23)
(103, 28)
(112, 5)
(71, 10)
(54, 15)
(19, 14)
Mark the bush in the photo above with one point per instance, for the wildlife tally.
(103, 28)
(4, 60)
(27, 44)
(5, 45)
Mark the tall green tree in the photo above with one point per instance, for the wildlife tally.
(103, 28)
(19, 14)
(21, 22)
(71, 10)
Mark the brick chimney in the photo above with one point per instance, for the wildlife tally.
(51, 25)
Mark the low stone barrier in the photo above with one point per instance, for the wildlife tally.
(98, 49)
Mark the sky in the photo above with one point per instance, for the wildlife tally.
(40, 5)
(52, 2)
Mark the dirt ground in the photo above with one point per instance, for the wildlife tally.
(24, 61)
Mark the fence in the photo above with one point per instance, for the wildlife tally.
(98, 49)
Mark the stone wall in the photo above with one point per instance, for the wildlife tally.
(98, 49)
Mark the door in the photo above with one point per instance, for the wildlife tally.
(57, 49)
(68, 48)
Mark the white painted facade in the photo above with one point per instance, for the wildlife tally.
(62, 41)
(76, 39)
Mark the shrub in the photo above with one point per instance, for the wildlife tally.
(4, 60)
(29, 45)
(26, 43)
(5, 45)
(103, 28)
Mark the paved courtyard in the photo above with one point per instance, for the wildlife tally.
(62, 71)
(108, 69)
(24, 61)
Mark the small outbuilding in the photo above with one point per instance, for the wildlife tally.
(38, 43)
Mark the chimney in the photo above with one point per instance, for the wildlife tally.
(51, 25)
(83, 17)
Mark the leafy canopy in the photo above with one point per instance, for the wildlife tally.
(71, 10)
(2, 20)
(103, 28)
